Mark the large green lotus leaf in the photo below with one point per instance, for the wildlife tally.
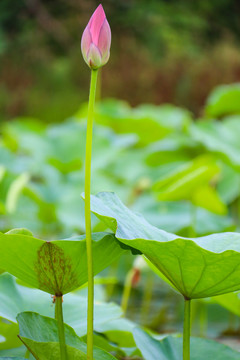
(56, 267)
(15, 298)
(40, 335)
(201, 267)
(223, 100)
(170, 348)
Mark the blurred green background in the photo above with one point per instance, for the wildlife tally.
(172, 51)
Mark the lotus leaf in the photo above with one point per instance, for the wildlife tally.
(196, 267)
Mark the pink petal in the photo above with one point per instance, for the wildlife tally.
(95, 23)
(104, 40)
(86, 42)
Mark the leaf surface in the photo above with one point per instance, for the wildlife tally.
(40, 335)
(15, 298)
(170, 348)
(56, 267)
(200, 267)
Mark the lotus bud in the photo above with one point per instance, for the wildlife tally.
(96, 40)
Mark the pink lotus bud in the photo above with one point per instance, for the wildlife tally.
(96, 40)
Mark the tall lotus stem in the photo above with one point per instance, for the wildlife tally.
(60, 323)
(126, 291)
(88, 215)
(95, 46)
(186, 329)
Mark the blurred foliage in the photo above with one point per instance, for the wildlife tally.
(181, 174)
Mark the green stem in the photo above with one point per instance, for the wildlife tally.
(88, 157)
(186, 329)
(99, 86)
(55, 311)
(147, 297)
(127, 291)
(60, 323)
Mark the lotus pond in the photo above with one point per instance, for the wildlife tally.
(165, 241)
